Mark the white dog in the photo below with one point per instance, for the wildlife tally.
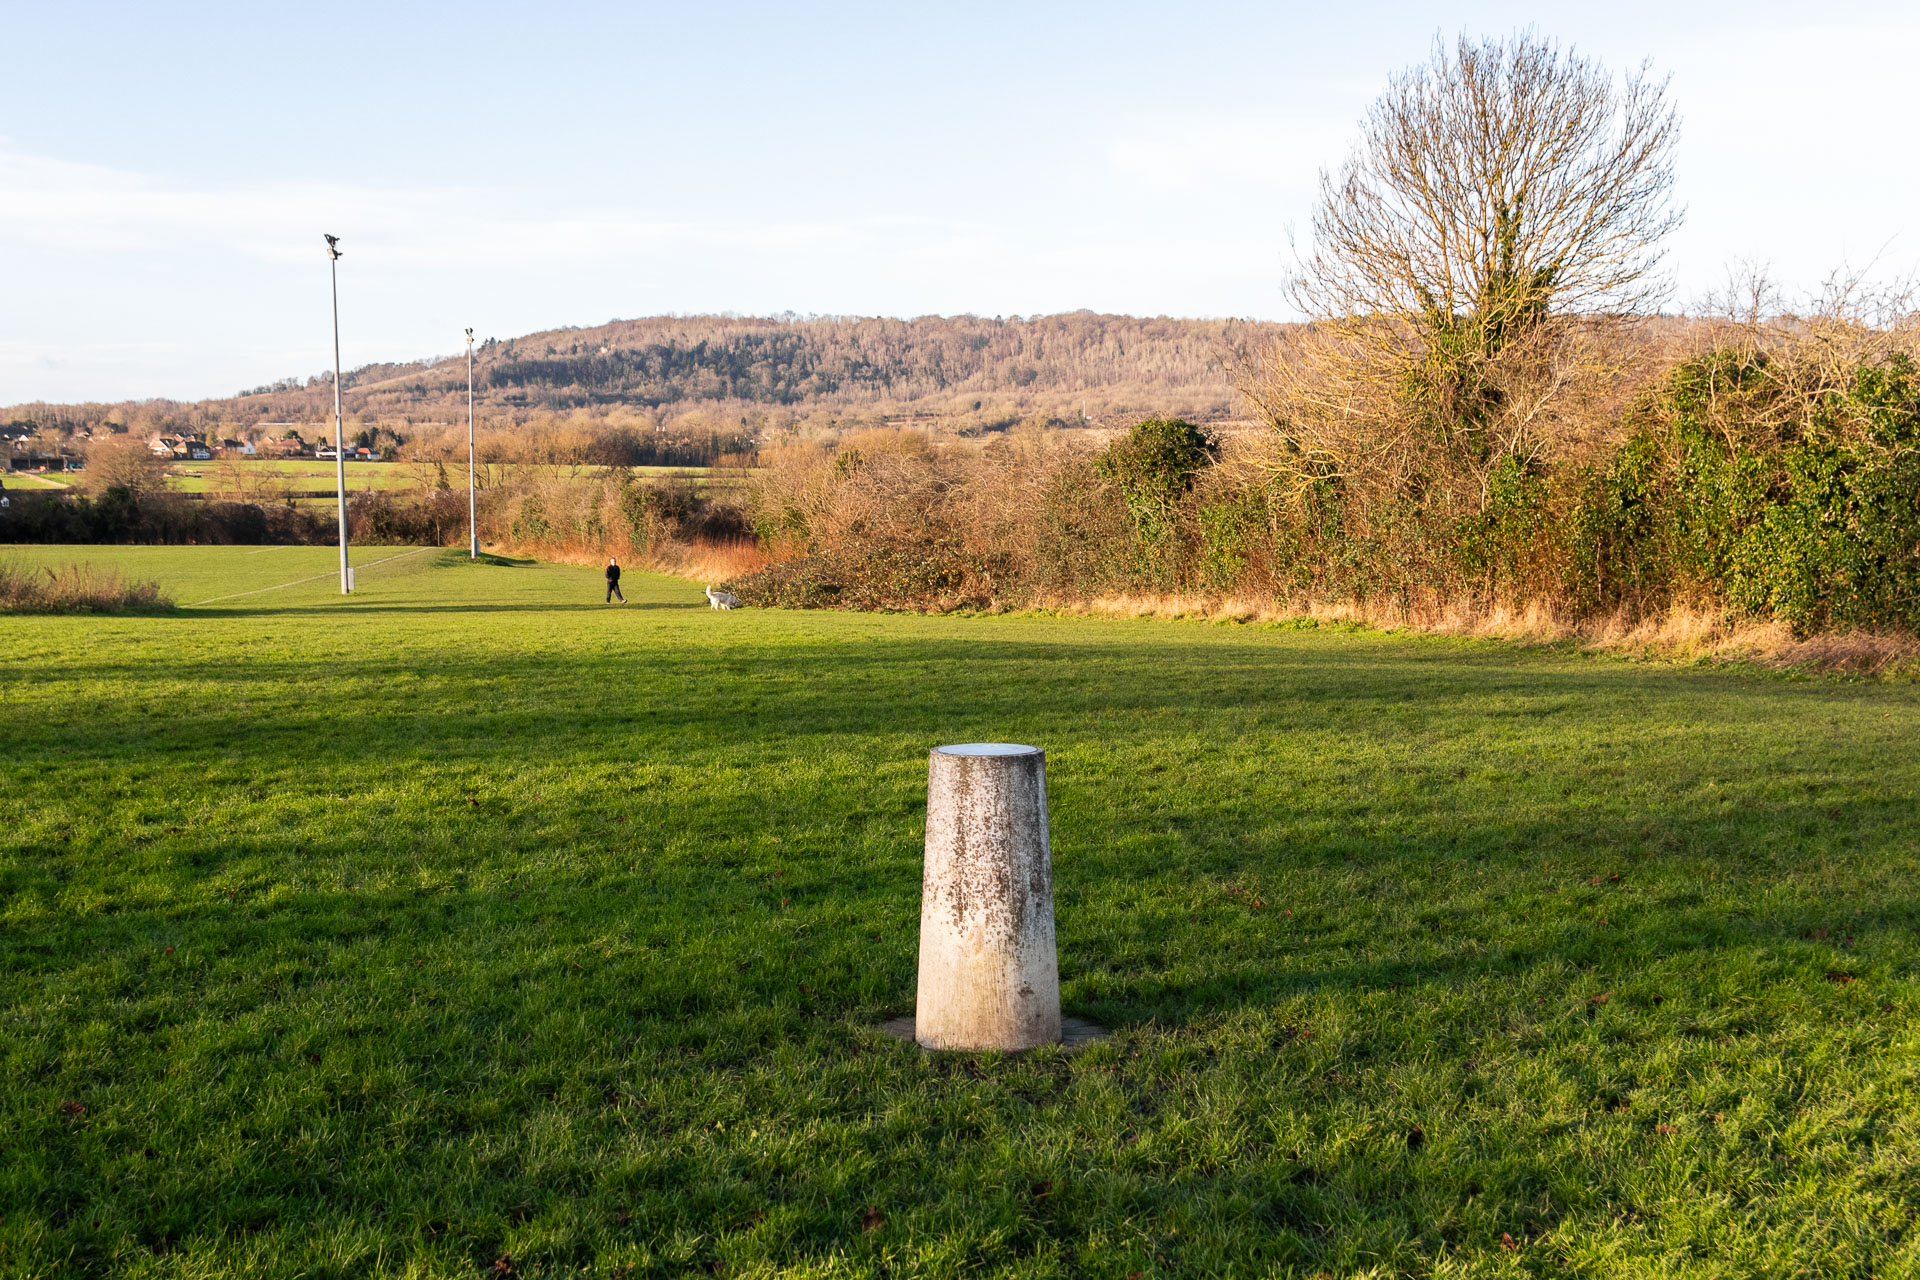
(721, 599)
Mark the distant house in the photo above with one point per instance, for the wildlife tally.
(180, 447)
(244, 448)
(31, 460)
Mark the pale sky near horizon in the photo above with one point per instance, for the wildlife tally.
(166, 172)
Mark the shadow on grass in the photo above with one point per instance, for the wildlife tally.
(459, 557)
(867, 684)
(1128, 913)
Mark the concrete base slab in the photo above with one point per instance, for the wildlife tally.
(1075, 1033)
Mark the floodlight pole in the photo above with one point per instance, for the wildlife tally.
(473, 524)
(339, 445)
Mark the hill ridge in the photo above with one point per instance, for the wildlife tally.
(939, 366)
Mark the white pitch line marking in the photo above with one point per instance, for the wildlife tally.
(315, 578)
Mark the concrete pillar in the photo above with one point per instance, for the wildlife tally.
(989, 975)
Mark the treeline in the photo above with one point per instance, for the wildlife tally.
(588, 511)
(607, 441)
(943, 362)
(121, 514)
(139, 417)
(766, 377)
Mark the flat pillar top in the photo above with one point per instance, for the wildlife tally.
(988, 749)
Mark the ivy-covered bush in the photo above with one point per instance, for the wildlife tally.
(1837, 544)
(1153, 468)
(1809, 517)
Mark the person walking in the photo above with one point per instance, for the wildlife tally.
(613, 581)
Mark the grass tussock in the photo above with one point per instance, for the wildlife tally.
(75, 588)
(1681, 632)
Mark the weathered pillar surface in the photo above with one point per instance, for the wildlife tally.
(989, 975)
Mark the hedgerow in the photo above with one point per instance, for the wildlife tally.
(1739, 480)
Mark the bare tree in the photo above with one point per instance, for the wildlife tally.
(1774, 368)
(1501, 198)
(123, 461)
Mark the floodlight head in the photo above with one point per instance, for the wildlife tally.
(469, 337)
(333, 245)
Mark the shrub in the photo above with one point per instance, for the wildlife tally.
(1837, 546)
(1232, 528)
(876, 576)
(1153, 468)
(1509, 547)
(1811, 517)
(1081, 536)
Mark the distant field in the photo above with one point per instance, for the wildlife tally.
(302, 474)
(32, 480)
(263, 479)
(471, 927)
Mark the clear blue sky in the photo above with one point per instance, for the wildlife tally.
(166, 170)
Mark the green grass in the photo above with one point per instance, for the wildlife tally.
(275, 576)
(33, 480)
(469, 919)
(302, 474)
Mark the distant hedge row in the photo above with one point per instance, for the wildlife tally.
(122, 516)
(591, 513)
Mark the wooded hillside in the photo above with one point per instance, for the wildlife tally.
(974, 369)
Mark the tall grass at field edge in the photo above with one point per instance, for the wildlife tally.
(76, 588)
(700, 560)
(1683, 631)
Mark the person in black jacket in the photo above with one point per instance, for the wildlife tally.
(613, 582)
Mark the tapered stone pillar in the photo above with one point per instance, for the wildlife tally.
(989, 974)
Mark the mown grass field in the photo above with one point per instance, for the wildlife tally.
(32, 480)
(300, 474)
(471, 927)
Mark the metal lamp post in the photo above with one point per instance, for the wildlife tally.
(339, 445)
(473, 525)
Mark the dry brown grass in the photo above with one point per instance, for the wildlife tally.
(1683, 632)
(74, 588)
(707, 561)
(702, 560)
